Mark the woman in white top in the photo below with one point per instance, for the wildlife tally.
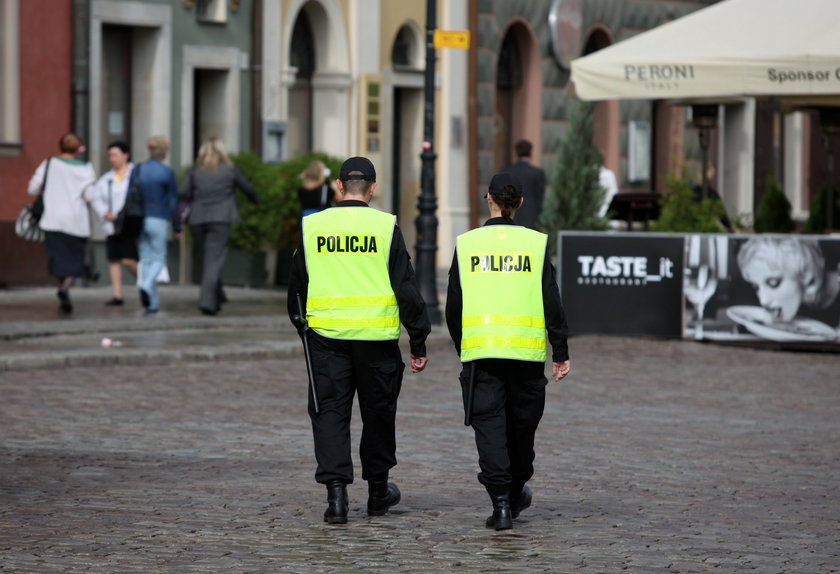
(108, 200)
(66, 221)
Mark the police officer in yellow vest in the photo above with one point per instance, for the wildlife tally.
(356, 282)
(502, 299)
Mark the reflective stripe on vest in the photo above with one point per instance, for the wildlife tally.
(350, 295)
(501, 269)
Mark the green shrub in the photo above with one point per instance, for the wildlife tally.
(816, 218)
(681, 212)
(274, 223)
(773, 213)
(575, 195)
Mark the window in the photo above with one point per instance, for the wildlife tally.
(9, 76)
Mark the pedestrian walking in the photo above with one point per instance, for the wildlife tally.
(353, 277)
(502, 298)
(532, 179)
(67, 187)
(108, 200)
(316, 192)
(211, 185)
(160, 197)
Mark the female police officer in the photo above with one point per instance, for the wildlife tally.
(502, 298)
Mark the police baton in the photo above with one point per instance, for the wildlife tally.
(470, 395)
(301, 317)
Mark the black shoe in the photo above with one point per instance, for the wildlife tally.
(501, 518)
(382, 495)
(151, 311)
(206, 311)
(520, 501)
(114, 302)
(144, 299)
(336, 512)
(64, 302)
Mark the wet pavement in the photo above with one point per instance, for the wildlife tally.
(34, 334)
(653, 456)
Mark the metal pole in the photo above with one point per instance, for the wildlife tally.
(704, 148)
(426, 221)
(80, 121)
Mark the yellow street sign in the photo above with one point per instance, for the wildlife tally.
(452, 39)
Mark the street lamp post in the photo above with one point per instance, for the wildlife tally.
(426, 221)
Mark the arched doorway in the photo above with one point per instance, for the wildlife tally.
(518, 94)
(605, 114)
(406, 127)
(302, 58)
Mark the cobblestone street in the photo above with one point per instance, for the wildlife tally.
(653, 456)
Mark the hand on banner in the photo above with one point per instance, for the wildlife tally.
(560, 370)
(418, 363)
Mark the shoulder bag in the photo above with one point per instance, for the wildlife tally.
(129, 221)
(26, 226)
(182, 212)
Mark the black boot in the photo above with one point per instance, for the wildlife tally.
(520, 499)
(336, 512)
(382, 495)
(501, 518)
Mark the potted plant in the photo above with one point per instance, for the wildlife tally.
(274, 224)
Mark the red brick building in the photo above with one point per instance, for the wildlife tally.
(35, 110)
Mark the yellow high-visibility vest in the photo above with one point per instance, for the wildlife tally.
(350, 294)
(501, 269)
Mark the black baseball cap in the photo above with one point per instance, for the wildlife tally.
(505, 179)
(357, 168)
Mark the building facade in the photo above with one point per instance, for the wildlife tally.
(345, 77)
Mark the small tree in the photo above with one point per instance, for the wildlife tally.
(817, 222)
(680, 211)
(575, 194)
(773, 213)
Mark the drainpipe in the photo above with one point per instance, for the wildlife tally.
(80, 119)
(472, 113)
(256, 77)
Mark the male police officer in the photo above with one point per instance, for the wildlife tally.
(502, 298)
(355, 279)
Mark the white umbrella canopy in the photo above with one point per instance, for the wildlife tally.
(788, 48)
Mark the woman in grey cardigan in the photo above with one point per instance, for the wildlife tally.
(212, 183)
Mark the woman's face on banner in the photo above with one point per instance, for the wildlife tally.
(779, 292)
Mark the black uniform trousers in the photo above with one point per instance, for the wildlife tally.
(342, 368)
(508, 403)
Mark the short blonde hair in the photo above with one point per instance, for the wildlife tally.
(799, 258)
(211, 154)
(314, 173)
(158, 146)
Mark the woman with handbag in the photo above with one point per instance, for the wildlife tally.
(108, 200)
(66, 186)
(210, 190)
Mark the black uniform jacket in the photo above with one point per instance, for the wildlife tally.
(555, 316)
(413, 314)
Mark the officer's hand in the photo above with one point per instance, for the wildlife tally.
(560, 370)
(418, 363)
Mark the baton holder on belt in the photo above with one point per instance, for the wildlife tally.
(301, 318)
(470, 396)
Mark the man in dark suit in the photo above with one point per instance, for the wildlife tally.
(533, 184)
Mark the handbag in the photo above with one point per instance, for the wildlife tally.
(27, 224)
(129, 221)
(182, 212)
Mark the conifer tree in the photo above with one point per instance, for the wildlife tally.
(575, 194)
(773, 213)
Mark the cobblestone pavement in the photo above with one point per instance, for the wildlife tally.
(653, 456)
